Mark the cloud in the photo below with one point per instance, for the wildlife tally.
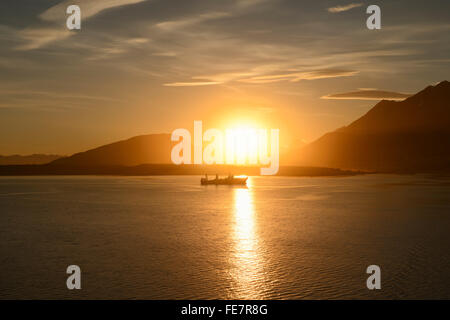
(298, 76)
(51, 101)
(239, 7)
(37, 37)
(241, 77)
(249, 3)
(117, 47)
(224, 77)
(368, 94)
(165, 54)
(89, 8)
(343, 8)
(185, 22)
(53, 95)
(191, 84)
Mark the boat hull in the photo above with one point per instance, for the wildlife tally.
(226, 181)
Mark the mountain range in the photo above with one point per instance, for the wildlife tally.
(406, 136)
(145, 149)
(411, 136)
(28, 159)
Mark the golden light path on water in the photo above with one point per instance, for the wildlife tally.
(248, 271)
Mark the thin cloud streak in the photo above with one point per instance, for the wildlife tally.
(185, 22)
(190, 84)
(343, 8)
(89, 8)
(368, 94)
(298, 76)
(38, 37)
(291, 77)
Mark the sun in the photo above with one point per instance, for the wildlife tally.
(242, 141)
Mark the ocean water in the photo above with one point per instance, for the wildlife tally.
(170, 238)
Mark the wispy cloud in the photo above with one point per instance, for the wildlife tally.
(191, 84)
(89, 8)
(261, 79)
(185, 22)
(239, 7)
(37, 37)
(298, 76)
(225, 77)
(368, 94)
(50, 101)
(249, 3)
(343, 8)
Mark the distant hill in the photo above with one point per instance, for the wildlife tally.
(408, 136)
(405, 137)
(148, 149)
(29, 159)
(165, 169)
(145, 149)
(146, 155)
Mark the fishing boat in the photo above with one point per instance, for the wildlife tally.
(230, 180)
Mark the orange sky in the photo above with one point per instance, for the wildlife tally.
(139, 67)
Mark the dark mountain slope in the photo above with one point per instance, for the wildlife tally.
(153, 148)
(408, 136)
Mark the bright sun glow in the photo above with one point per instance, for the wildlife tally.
(241, 146)
(241, 143)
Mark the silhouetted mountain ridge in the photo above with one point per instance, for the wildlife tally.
(426, 110)
(150, 149)
(28, 159)
(412, 135)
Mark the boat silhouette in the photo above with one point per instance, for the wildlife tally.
(230, 180)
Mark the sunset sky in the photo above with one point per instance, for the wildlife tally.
(139, 67)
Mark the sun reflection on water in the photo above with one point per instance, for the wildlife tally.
(248, 271)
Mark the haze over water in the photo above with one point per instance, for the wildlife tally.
(170, 238)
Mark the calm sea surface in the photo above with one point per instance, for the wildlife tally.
(170, 238)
